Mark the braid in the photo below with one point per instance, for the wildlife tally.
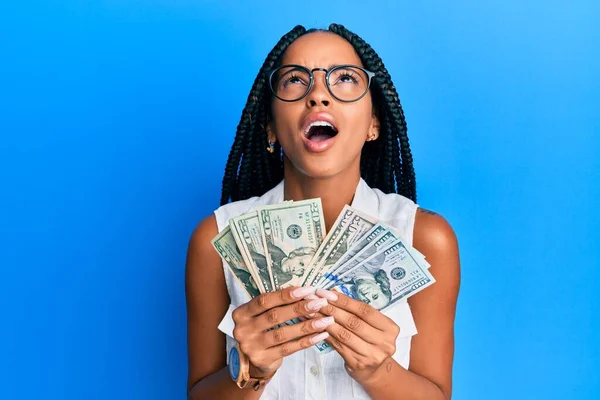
(385, 164)
(367, 162)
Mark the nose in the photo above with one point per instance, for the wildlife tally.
(319, 94)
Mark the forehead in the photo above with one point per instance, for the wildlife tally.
(320, 49)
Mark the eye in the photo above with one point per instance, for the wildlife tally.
(375, 296)
(345, 75)
(292, 78)
(347, 78)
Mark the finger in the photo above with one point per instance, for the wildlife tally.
(362, 310)
(348, 339)
(266, 301)
(279, 315)
(291, 347)
(286, 333)
(349, 355)
(354, 323)
(311, 297)
(311, 315)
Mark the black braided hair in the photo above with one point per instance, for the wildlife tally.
(386, 163)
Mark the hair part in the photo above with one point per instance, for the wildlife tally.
(385, 164)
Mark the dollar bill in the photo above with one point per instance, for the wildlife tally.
(224, 243)
(292, 233)
(369, 250)
(323, 347)
(336, 230)
(358, 225)
(385, 278)
(420, 257)
(247, 232)
(376, 231)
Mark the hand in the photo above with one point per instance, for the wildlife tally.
(266, 348)
(362, 335)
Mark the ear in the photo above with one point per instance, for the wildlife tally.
(374, 129)
(270, 132)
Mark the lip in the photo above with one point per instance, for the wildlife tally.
(312, 146)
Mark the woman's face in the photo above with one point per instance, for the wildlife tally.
(296, 265)
(369, 291)
(354, 121)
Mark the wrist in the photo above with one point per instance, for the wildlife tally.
(240, 371)
(372, 377)
(260, 373)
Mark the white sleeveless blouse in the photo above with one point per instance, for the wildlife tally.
(306, 374)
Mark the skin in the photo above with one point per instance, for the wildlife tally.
(363, 336)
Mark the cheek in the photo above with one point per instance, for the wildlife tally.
(286, 118)
(357, 121)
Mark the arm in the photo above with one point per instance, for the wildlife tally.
(434, 309)
(208, 377)
(365, 338)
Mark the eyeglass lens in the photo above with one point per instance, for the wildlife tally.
(346, 83)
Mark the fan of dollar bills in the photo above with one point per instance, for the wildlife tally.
(281, 245)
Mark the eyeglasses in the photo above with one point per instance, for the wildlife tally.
(346, 83)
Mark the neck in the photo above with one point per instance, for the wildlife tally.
(335, 191)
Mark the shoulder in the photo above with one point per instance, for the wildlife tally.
(433, 231)
(201, 257)
(201, 253)
(203, 233)
(435, 238)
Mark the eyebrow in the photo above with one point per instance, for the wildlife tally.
(328, 67)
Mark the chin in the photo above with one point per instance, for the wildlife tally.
(321, 167)
(320, 173)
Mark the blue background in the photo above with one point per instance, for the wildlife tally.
(116, 119)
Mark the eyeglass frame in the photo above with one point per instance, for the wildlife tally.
(370, 76)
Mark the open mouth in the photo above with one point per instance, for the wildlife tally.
(319, 131)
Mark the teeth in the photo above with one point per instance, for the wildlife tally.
(319, 123)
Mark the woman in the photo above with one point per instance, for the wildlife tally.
(311, 129)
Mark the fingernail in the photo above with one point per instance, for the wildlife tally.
(302, 291)
(327, 294)
(323, 322)
(316, 304)
(320, 337)
(311, 296)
